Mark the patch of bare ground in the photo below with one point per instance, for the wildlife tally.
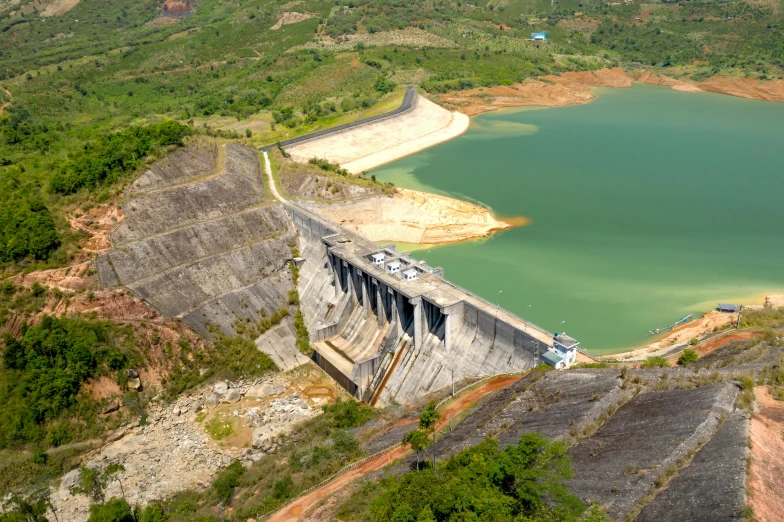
(59, 7)
(177, 9)
(547, 91)
(95, 226)
(573, 88)
(765, 487)
(6, 104)
(712, 321)
(660, 79)
(409, 37)
(768, 90)
(291, 17)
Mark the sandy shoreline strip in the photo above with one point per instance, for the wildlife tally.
(416, 217)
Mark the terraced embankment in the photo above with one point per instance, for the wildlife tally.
(666, 444)
(203, 243)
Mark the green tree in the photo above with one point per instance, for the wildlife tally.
(111, 473)
(91, 483)
(427, 423)
(418, 440)
(687, 357)
(429, 418)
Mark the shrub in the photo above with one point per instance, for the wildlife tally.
(227, 481)
(115, 510)
(687, 357)
(655, 362)
(302, 335)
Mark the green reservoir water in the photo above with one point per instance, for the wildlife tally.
(646, 205)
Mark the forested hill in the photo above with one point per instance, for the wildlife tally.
(73, 72)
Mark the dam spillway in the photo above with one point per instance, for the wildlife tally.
(388, 339)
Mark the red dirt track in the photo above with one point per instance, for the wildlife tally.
(294, 511)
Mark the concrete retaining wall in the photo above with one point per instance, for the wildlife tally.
(239, 187)
(188, 163)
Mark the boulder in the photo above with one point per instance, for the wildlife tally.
(259, 437)
(135, 384)
(71, 479)
(212, 401)
(132, 373)
(118, 434)
(111, 408)
(271, 388)
(257, 390)
(232, 396)
(220, 387)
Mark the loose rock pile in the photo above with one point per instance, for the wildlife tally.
(171, 451)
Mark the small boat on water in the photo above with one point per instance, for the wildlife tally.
(673, 325)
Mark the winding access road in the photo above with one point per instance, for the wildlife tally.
(293, 512)
(271, 179)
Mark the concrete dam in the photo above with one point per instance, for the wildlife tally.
(205, 242)
(391, 328)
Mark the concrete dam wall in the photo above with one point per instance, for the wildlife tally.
(397, 335)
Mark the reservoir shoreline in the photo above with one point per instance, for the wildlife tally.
(452, 169)
(573, 88)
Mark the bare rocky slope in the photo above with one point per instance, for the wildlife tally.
(646, 444)
(202, 242)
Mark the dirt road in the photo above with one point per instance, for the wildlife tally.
(294, 511)
(6, 104)
(766, 490)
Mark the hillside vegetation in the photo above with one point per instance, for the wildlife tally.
(90, 87)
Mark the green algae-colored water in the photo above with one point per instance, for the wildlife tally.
(646, 205)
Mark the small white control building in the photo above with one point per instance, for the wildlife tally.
(378, 259)
(565, 347)
(410, 274)
(393, 267)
